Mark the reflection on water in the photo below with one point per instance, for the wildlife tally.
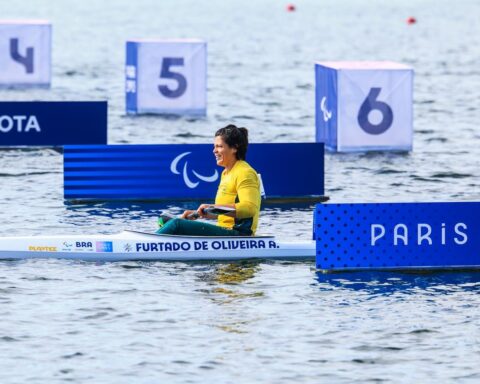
(235, 273)
(385, 283)
(230, 291)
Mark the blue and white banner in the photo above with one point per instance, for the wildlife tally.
(166, 77)
(185, 171)
(53, 123)
(25, 53)
(397, 235)
(362, 106)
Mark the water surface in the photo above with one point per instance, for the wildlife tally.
(246, 322)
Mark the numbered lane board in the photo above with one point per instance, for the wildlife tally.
(363, 106)
(166, 77)
(25, 53)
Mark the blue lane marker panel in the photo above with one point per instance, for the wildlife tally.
(185, 171)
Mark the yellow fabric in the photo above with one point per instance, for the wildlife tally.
(240, 186)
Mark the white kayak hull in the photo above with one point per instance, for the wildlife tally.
(130, 245)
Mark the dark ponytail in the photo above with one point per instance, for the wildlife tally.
(235, 137)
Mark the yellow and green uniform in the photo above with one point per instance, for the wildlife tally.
(240, 186)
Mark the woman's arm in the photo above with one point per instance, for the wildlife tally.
(248, 191)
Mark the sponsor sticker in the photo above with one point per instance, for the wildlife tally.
(104, 246)
(36, 248)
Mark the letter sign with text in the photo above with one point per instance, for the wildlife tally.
(364, 106)
(25, 53)
(397, 235)
(166, 77)
(52, 123)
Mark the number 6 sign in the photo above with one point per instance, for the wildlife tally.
(166, 77)
(362, 106)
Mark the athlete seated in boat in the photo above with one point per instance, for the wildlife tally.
(239, 189)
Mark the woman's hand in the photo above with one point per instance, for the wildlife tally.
(203, 214)
(199, 213)
(188, 215)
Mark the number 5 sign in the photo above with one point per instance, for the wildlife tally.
(166, 77)
(362, 106)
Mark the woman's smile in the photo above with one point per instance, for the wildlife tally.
(224, 155)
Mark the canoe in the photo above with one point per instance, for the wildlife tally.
(132, 245)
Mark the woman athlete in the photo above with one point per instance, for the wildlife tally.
(239, 189)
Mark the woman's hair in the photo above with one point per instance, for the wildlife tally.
(235, 137)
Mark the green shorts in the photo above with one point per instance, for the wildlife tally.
(195, 228)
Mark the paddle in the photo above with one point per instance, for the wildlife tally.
(214, 210)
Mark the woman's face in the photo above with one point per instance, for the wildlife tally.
(224, 155)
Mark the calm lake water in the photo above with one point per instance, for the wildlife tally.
(271, 322)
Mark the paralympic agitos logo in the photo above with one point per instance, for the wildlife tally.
(190, 181)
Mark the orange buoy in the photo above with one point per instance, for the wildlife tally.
(290, 8)
(411, 20)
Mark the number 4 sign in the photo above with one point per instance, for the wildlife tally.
(25, 53)
(362, 106)
(166, 77)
